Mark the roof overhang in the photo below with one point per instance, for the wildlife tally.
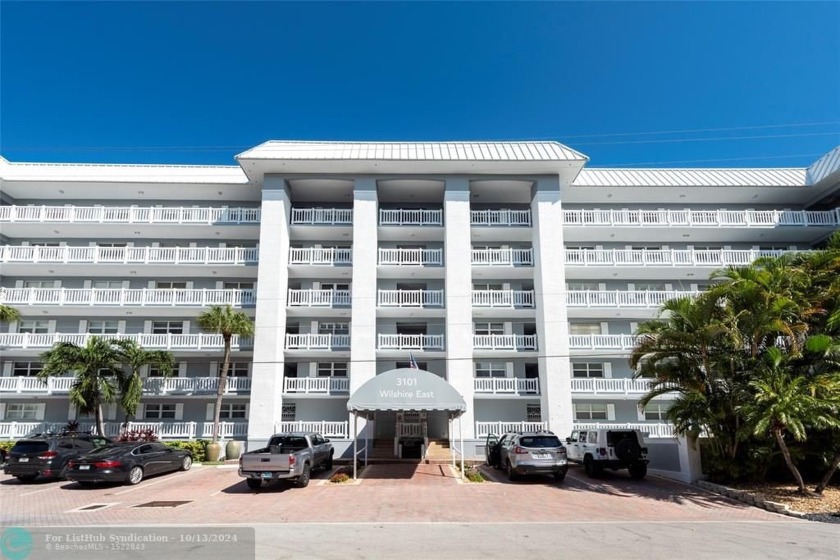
(406, 389)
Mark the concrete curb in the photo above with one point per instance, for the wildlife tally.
(745, 496)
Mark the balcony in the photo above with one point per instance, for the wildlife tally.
(483, 429)
(164, 430)
(510, 299)
(317, 341)
(128, 255)
(516, 342)
(126, 297)
(410, 217)
(322, 216)
(637, 299)
(321, 256)
(702, 218)
(317, 385)
(35, 386)
(128, 215)
(518, 218)
(411, 257)
(410, 342)
(503, 257)
(410, 298)
(319, 298)
(195, 385)
(602, 341)
(649, 430)
(603, 386)
(199, 341)
(506, 386)
(324, 427)
(665, 257)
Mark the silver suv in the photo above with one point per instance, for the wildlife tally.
(526, 453)
(615, 449)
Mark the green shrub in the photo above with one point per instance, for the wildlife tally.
(339, 478)
(195, 446)
(473, 474)
(7, 445)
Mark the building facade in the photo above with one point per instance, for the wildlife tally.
(511, 270)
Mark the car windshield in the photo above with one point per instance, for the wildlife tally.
(539, 441)
(109, 451)
(30, 447)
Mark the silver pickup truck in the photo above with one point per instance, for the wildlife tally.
(289, 456)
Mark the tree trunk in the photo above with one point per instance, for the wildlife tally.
(780, 438)
(220, 390)
(100, 425)
(827, 478)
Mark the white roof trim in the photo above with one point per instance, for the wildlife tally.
(712, 177)
(825, 166)
(122, 173)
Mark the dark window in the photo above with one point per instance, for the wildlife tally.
(539, 441)
(30, 447)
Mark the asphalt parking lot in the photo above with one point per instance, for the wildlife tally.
(386, 493)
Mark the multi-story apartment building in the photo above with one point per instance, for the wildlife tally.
(510, 270)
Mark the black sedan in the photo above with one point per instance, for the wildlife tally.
(127, 462)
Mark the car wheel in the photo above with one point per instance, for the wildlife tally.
(186, 463)
(253, 483)
(135, 475)
(511, 474)
(559, 476)
(329, 464)
(638, 472)
(589, 467)
(27, 478)
(303, 479)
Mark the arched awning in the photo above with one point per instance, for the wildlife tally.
(406, 389)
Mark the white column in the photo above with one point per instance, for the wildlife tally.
(458, 284)
(552, 321)
(272, 286)
(363, 322)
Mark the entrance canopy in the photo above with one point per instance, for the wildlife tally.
(406, 389)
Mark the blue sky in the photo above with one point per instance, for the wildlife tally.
(197, 82)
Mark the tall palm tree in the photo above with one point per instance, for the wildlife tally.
(134, 358)
(8, 314)
(226, 322)
(97, 369)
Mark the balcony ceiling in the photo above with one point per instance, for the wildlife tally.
(321, 190)
(497, 192)
(410, 191)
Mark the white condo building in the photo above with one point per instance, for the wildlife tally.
(509, 269)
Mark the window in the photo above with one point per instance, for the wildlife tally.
(650, 287)
(231, 411)
(238, 286)
(533, 413)
(168, 327)
(19, 411)
(38, 284)
(590, 411)
(236, 369)
(171, 285)
(587, 369)
(335, 287)
(106, 284)
(489, 328)
(333, 328)
(155, 371)
(583, 286)
(332, 369)
(708, 248)
(585, 328)
(112, 245)
(486, 287)
(27, 369)
(160, 411)
(103, 327)
(656, 412)
(288, 412)
(34, 327)
(490, 369)
(407, 365)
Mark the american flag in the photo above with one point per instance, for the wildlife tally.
(412, 363)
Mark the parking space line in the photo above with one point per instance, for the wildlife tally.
(140, 487)
(39, 491)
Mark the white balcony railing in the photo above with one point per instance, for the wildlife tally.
(409, 429)
(483, 429)
(411, 257)
(602, 341)
(410, 298)
(198, 341)
(506, 385)
(319, 298)
(503, 298)
(619, 298)
(503, 257)
(410, 341)
(317, 341)
(123, 297)
(129, 215)
(665, 257)
(505, 341)
(324, 427)
(318, 385)
(617, 386)
(322, 216)
(194, 385)
(128, 255)
(320, 256)
(410, 217)
(649, 430)
(701, 218)
(504, 217)
(33, 385)
(164, 430)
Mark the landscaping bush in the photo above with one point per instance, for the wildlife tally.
(197, 447)
(473, 474)
(7, 445)
(138, 435)
(343, 474)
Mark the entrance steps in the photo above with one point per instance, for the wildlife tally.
(438, 452)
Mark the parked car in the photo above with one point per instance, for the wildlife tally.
(47, 455)
(526, 453)
(606, 448)
(288, 456)
(128, 462)
(493, 447)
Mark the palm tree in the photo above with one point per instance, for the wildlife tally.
(226, 322)
(97, 369)
(8, 314)
(134, 358)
